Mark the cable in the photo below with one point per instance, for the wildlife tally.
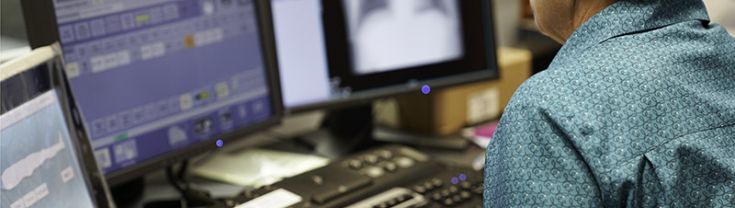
(172, 179)
(189, 194)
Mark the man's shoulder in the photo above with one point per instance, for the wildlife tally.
(662, 69)
(566, 85)
(659, 93)
(621, 70)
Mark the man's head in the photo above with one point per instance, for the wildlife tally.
(558, 19)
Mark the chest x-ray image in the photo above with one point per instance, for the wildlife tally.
(387, 35)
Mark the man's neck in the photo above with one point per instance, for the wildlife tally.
(584, 10)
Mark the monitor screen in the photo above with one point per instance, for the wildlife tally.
(337, 51)
(302, 56)
(40, 168)
(388, 35)
(152, 77)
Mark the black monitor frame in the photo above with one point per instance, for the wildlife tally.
(42, 30)
(479, 44)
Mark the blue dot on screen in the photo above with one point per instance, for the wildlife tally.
(462, 177)
(426, 89)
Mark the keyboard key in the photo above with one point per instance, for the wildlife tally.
(436, 196)
(428, 185)
(448, 202)
(437, 182)
(372, 159)
(355, 164)
(404, 162)
(419, 189)
(374, 172)
(445, 193)
(465, 185)
(385, 154)
(453, 189)
(465, 195)
(457, 198)
(390, 167)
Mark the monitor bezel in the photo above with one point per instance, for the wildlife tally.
(42, 30)
(408, 83)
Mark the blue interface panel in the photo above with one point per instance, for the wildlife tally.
(154, 76)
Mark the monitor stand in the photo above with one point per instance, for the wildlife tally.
(190, 196)
(126, 194)
(348, 130)
(344, 131)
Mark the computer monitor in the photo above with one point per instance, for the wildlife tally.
(341, 52)
(157, 81)
(43, 160)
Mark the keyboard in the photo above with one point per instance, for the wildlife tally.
(452, 187)
(390, 176)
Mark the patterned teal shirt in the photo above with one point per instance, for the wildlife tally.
(636, 110)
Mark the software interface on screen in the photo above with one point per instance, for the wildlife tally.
(39, 168)
(154, 76)
(393, 34)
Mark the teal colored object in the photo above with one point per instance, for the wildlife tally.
(636, 110)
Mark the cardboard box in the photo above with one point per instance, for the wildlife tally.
(447, 111)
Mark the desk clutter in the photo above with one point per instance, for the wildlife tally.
(389, 176)
(117, 102)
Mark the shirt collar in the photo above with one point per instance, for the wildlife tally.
(631, 16)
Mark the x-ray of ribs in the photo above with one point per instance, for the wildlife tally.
(369, 6)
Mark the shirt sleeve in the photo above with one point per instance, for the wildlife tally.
(532, 163)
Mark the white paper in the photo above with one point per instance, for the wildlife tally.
(483, 106)
(280, 198)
